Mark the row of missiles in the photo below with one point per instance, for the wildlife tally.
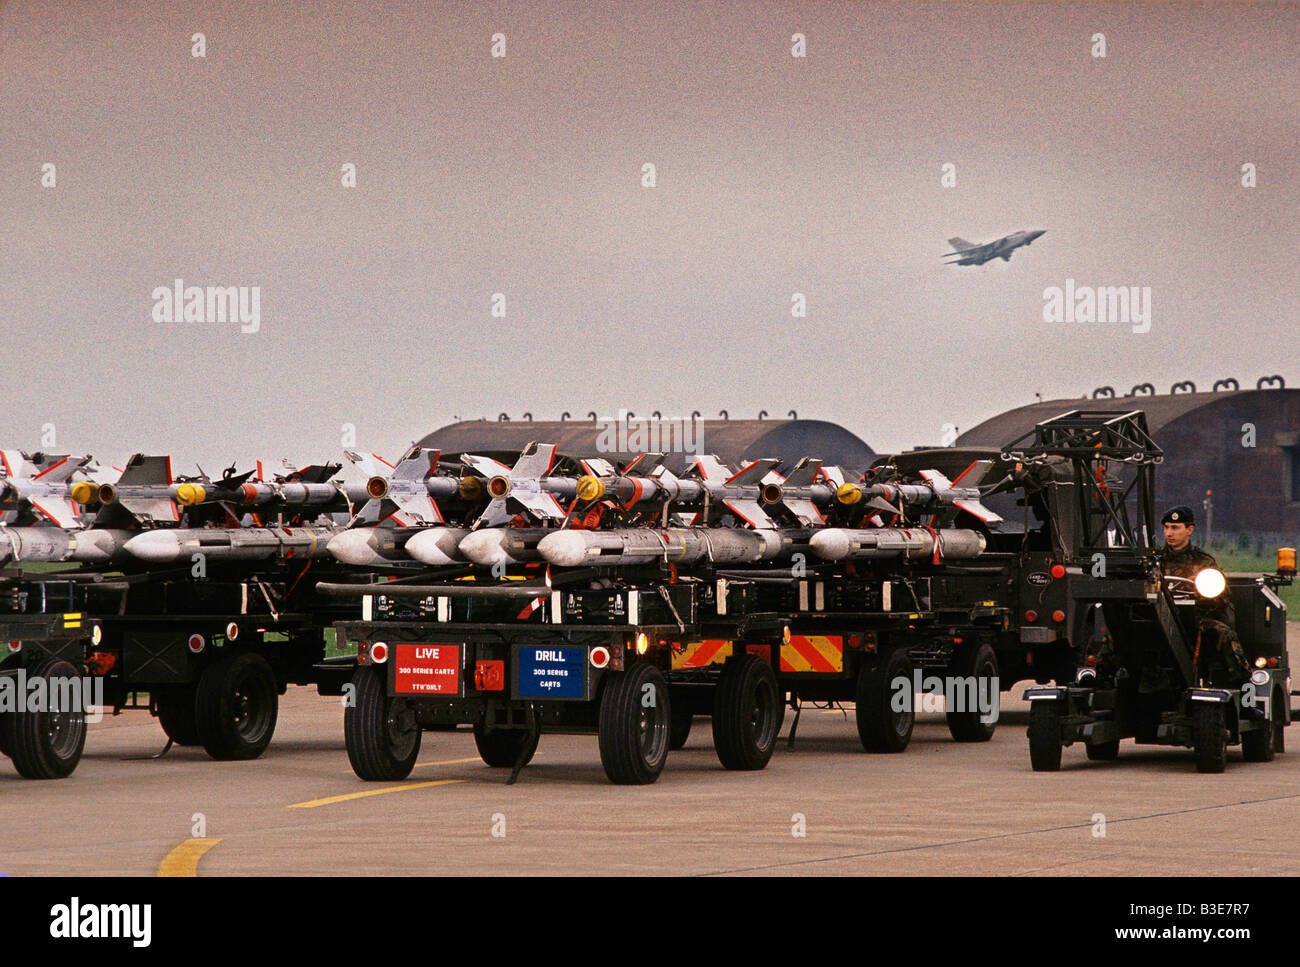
(485, 513)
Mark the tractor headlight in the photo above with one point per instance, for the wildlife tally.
(1259, 677)
(1210, 582)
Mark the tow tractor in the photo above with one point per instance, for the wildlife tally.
(1140, 670)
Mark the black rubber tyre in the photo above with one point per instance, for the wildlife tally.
(881, 727)
(1209, 737)
(381, 732)
(747, 713)
(48, 744)
(500, 749)
(235, 707)
(635, 719)
(680, 728)
(1260, 745)
(1102, 751)
(1279, 723)
(968, 726)
(176, 713)
(6, 741)
(1045, 736)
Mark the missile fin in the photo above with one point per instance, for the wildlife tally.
(141, 469)
(485, 466)
(541, 505)
(937, 480)
(805, 510)
(752, 473)
(59, 511)
(535, 462)
(974, 475)
(711, 468)
(416, 465)
(804, 473)
(978, 509)
(750, 512)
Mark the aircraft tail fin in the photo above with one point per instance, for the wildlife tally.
(960, 244)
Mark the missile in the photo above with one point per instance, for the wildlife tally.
(674, 545)
(745, 492)
(371, 546)
(39, 486)
(51, 544)
(936, 489)
(528, 484)
(438, 546)
(172, 545)
(838, 543)
(503, 545)
(410, 493)
(256, 494)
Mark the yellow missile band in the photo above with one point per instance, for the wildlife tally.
(470, 488)
(84, 492)
(189, 494)
(848, 493)
(589, 488)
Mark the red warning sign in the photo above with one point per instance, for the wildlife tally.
(426, 669)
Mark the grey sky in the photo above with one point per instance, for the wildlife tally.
(522, 176)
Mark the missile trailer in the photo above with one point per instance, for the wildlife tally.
(632, 661)
(209, 656)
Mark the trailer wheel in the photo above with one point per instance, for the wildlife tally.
(235, 707)
(47, 744)
(882, 727)
(1261, 745)
(635, 714)
(680, 728)
(500, 748)
(381, 732)
(1102, 751)
(1045, 736)
(1279, 722)
(747, 713)
(1209, 737)
(176, 713)
(6, 740)
(968, 726)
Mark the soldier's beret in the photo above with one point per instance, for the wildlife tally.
(1178, 515)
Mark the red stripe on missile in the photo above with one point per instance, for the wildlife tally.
(55, 466)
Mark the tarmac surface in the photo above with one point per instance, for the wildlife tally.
(823, 808)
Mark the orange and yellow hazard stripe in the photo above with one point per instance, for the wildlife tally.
(813, 653)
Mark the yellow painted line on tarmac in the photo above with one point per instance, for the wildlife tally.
(184, 859)
(311, 804)
(452, 762)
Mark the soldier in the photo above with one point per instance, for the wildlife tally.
(1218, 649)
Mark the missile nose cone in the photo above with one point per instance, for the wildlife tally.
(830, 545)
(437, 546)
(564, 548)
(157, 547)
(352, 547)
(484, 547)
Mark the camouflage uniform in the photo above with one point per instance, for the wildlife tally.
(1221, 655)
